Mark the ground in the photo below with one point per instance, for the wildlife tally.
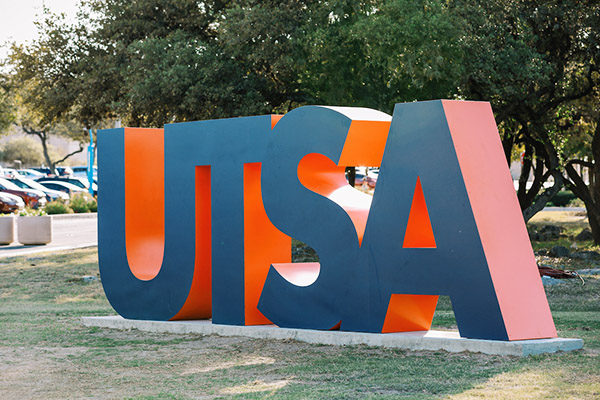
(47, 354)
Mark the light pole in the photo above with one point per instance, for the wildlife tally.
(90, 168)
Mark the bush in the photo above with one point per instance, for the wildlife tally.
(562, 198)
(576, 203)
(83, 203)
(57, 207)
(30, 212)
(25, 149)
(93, 205)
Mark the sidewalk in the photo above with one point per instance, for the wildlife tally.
(69, 231)
(576, 209)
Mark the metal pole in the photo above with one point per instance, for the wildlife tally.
(90, 167)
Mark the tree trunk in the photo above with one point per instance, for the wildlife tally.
(588, 194)
(351, 174)
(536, 150)
(44, 141)
(545, 147)
(577, 185)
(544, 198)
(508, 141)
(594, 218)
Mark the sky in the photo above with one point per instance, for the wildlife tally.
(17, 16)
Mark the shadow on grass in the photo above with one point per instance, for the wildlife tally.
(46, 350)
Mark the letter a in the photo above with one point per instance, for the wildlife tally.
(482, 256)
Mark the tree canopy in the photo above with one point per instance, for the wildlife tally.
(532, 61)
(153, 62)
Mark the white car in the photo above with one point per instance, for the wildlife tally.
(80, 171)
(30, 173)
(51, 195)
(65, 187)
(10, 172)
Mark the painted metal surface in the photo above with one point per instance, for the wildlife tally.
(222, 199)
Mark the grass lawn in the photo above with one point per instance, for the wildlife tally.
(47, 354)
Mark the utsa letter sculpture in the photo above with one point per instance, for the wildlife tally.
(196, 221)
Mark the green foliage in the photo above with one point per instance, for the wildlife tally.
(535, 62)
(46, 86)
(93, 205)
(159, 61)
(7, 111)
(378, 53)
(30, 212)
(22, 148)
(57, 207)
(562, 198)
(82, 203)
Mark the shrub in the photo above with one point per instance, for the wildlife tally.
(57, 207)
(562, 198)
(93, 205)
(25, 149)
(82, 203)
(30, 212)
(576, 203)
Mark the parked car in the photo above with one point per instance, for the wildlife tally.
(80, 171)
(82, 183)
(65, 187)
(9, 172)
(64, 171)
(45, 170)
(32, 198)
(10, 203)
(51, 194)
(373, 172)
(30, 173)
(366, 176)
(361, 179)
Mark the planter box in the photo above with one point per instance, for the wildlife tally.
(7, 230)
(35, 230)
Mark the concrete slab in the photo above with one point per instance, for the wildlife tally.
(426, 340)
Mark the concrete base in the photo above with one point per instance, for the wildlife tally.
(426, 340)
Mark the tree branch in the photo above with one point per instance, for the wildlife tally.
(81, 148)
(544, 198)
(581, 162)
(589, 87)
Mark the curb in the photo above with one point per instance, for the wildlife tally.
(41, 249)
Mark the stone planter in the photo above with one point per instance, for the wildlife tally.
(7, 230)
(35, 229)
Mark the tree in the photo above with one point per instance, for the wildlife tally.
(7, 112)
(161, 61)
(582, 125)
(378, 53)
(25, 149)
(43, 86)
(530, 59)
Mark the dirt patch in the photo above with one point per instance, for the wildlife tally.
(35, 372)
